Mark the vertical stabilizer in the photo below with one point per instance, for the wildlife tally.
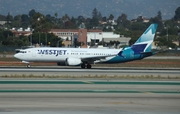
(144, 43)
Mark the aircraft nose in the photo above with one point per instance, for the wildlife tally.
(16, 55)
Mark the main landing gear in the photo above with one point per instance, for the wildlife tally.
(88, 66)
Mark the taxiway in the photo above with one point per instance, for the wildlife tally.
(74, 71)
(88, 96)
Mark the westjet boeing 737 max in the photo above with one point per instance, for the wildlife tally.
(85, 57)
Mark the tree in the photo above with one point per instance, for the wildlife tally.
(157, 19)
(162, 41)
(140, 19)
(96, 17)
(17, 18)
(2, 17)
(123, 21)
(177, 14)
(49, 18)
(138, 26)
(99, 16)
(95, 13)
(94, 22)
(32, 13)
(73, 20)
(51, 38)
(6, 34)
(104, 19)
(56, 15)
(39, 22)
(122, 18)
(159, 16)
(111, 17)
(24, 18)
(10, 40)
(21, 41)
(9, 19)
(68, 25)
(77, 22)
(65, 18)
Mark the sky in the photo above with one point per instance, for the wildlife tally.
(133, 8)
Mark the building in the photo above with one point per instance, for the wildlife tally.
(18, 33)
(79, 37)
(21, 31)
(70, 36)
(88, 37)
(65, 34)
(3, 22)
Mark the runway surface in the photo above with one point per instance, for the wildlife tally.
(87, 103)
(45, 96)
(85, 95)
(74, 71)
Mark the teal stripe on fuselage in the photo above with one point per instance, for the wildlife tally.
(119, 59)
(127, 55)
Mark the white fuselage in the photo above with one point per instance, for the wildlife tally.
(49, 54)
(85, 57)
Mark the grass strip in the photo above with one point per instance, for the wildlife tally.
(88, 82)
(86, 91)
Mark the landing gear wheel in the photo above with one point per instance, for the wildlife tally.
(28, 65)
(88, 66)
(83, 65)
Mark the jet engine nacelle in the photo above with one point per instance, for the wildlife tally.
(73, 61)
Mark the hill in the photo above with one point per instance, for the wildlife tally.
(132, 8)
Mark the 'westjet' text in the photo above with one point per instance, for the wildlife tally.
(52, 52)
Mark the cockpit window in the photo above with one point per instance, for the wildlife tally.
(22, 52)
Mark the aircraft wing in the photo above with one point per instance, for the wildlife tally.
(92, 59)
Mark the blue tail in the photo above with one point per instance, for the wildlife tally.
(144, 43)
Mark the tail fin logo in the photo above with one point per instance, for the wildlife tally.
(144, 43)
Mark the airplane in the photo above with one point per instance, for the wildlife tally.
(84, 57)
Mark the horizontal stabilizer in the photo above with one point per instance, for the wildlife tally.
(146, 54)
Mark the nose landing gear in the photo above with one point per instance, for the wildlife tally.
(28, 65)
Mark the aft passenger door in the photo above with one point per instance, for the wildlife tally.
(131, 54)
